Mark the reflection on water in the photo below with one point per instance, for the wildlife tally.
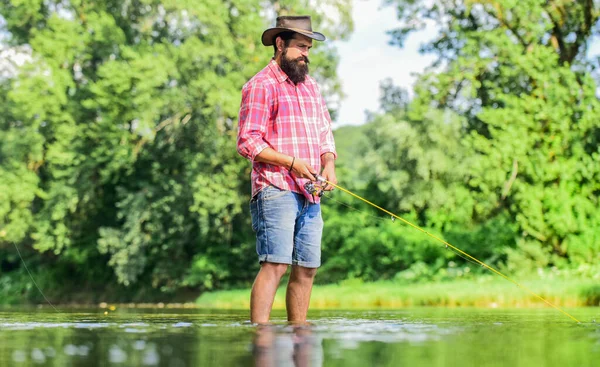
(286, 346)
(433, 337)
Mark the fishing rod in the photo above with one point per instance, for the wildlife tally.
(316, 188)
(31, 276)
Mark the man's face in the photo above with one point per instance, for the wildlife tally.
(294, 58)
(298, 48)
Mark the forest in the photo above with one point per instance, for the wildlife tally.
(120, 180)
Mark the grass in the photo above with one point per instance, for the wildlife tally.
(482, 292)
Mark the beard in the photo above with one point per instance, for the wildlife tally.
(295, 71)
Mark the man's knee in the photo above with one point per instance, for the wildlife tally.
(304, 273)
(275, 269)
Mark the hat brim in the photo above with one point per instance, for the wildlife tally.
(267, 36)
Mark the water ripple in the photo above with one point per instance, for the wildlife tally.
(352, 332)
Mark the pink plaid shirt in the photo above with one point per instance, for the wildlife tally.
(291, 119)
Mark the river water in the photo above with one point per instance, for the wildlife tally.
(194, 337)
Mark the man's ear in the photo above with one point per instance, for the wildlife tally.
(280, 43)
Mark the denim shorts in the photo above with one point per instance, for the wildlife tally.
(288, 228)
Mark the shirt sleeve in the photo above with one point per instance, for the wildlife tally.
(326, 135)
(253, 120)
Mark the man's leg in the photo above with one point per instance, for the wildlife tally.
(274, 214)
(298, 293)
(263, 291)
(306, 258)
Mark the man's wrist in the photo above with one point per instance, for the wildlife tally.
(327, 159)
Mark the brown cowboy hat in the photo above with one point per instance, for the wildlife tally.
(299, 24)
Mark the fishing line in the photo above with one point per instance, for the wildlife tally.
(31, 276)
(310, 186)
(329, 197)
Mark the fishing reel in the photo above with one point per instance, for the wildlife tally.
(316, 187)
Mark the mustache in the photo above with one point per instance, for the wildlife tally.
(303, 58)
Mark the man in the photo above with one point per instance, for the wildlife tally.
(285, 130)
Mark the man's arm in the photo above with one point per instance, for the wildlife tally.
(328, 164)
(328, 153)
(253, 120)
(298, 166)
(327, 159)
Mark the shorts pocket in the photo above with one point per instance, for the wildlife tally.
(272, 193)
(254, 214)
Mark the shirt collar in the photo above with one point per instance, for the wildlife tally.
(276, 69)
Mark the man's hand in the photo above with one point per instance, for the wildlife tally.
(328, 173)
(302, 169)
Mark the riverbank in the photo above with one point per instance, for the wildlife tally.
(482, 292)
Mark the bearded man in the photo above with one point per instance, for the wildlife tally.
(285, 131)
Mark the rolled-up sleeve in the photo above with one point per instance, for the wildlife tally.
(327, 144)
(253, 120)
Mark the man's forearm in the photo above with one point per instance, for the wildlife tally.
(271, 156)
(327, 159)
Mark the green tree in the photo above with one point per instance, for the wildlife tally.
(117, 141)
(498, 152)
(519, 75)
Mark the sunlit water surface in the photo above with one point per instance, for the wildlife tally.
(406, 337)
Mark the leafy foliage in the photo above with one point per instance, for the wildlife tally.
(119, 174)
(117, 140)
(524, 152)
